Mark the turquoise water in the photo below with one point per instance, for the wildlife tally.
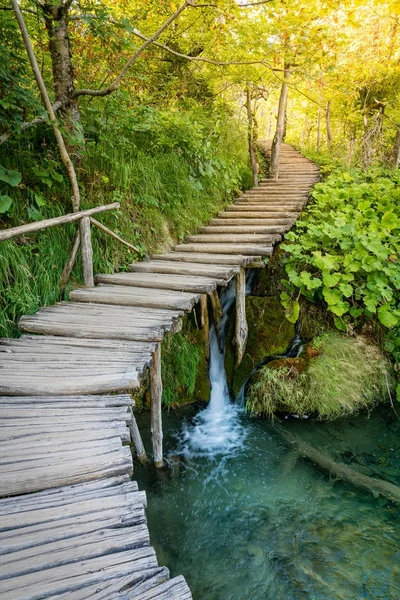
(257, 523)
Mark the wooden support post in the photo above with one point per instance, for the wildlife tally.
(69, 265)
(137, 441)
(216, 307)
(87, 252)
(205, 324)
(155, 403)
(241, 330)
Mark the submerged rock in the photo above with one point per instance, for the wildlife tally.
(269, 333)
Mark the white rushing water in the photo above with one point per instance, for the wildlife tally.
(217, 430)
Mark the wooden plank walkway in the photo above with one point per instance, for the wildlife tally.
(72, 522)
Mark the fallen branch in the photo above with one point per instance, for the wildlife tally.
(342, 471)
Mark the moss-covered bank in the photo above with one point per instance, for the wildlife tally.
(336, 376)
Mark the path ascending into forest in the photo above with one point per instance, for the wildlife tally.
(72, 523)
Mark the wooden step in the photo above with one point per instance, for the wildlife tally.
(172, 263)
(256, 214)
(209, 260)
(182, 283)
(249, 249)
(65, 367)
(101, 321)
(256, 222)
(240, 228)
(130, 296)
(235, 238)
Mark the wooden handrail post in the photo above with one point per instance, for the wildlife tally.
(241, 329)
(155, 404)
(204, 322)
(137, 441)
(87, 252)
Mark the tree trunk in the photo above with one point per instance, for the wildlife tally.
(250, 137)
(328, 125)
(396, 162)
(56, 20)
(318, 144)
(280, 126)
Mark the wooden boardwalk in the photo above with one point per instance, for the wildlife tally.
(72, 522)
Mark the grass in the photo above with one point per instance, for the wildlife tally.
(349, 375)
(180, 364)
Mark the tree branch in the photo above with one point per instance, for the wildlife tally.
(4, 137)
(111, 88)
(199, 58)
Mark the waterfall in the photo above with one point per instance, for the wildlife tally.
(216, 430)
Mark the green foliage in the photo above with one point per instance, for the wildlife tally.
(345, 250)
(180, 362)
(350, 374)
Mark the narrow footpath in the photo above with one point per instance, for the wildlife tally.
(72, 521)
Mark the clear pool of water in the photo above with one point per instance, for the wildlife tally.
(257, 523)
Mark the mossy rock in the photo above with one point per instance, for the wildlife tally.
(341, 377)
(270, 333)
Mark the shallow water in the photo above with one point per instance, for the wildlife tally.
(257, 523)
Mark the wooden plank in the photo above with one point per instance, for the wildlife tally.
(222, 238)
(96, 328)
(51, 582)
(244, 222)
(120, 587)
(213, 262)
(71, 550)
(174, 589)
(179, 264)
(263, 208)
(255, 215)
(11, 384)
(277, 229)
(182, 283)
(88, 401)
(250, 249)
(156, 410)
(130, 296)
(53, 474)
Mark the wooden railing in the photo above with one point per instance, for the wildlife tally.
(83, 238)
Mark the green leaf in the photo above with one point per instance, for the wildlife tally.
(330, 279)
(387, 316)
(5, 203)
(398, 392)
(346, 289)
(339, 324)
(40, 200)
(9, 176)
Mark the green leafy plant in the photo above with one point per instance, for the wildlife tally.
(344, 252)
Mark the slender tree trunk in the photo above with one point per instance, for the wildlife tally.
(328, 125)
(250, 137)
(269, 127)
(396, 163)
(56, 20)
(318, 129)
(280, 126)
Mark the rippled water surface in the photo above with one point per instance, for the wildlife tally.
(257, 523)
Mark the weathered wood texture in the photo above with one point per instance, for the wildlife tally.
(241, 328)
(156, 415)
